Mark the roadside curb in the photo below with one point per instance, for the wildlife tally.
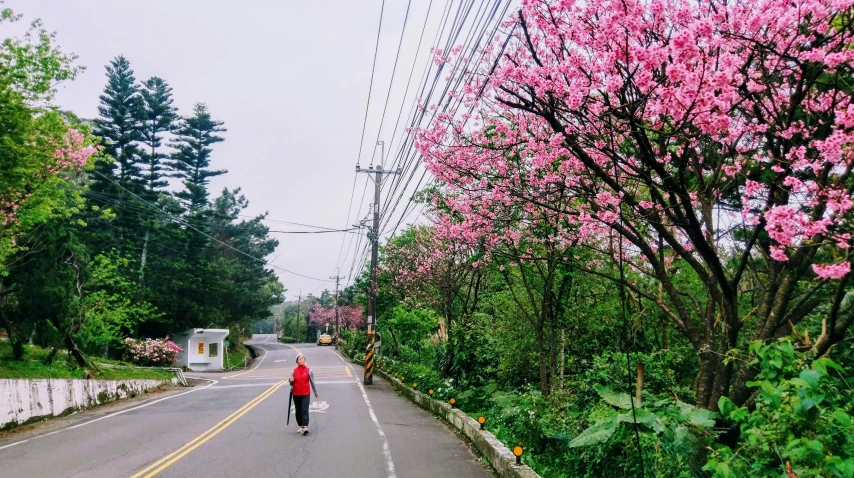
(496, 453)
(252, 352)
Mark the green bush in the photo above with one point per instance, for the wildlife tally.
(352, 343)
(801, 418)
(287, 340)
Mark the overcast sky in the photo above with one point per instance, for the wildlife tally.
(290, 81)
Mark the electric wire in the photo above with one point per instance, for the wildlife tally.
(473, 49)
(187, 224)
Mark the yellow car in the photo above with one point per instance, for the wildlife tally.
(324, 339)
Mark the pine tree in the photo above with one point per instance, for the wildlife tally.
(195, 136)
(158, 117)
(119, 126)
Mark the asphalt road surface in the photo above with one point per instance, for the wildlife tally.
(234, 425)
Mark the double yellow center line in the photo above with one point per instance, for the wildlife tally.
(163, 463)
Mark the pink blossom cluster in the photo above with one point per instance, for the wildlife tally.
(659, 120)
(152, 351)
(349, 316)
(72, 155)
(427, 259)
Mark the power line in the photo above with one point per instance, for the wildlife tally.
(371, 83)
(459, 101)
(458, 24)
(347, 221)
(391, 82)
(364, 126)
(480, 18)
(411, 71)
(117, 199)
(361, 257)
(129, 207)
(179, 221)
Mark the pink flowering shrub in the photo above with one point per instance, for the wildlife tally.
(162, 352)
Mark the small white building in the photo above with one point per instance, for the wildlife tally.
(202, 348)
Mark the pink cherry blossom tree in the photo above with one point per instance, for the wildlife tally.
(349, 316)
(707, 140)
(431, 269)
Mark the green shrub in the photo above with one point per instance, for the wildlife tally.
(802, 418)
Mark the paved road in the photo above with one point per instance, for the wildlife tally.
(235, 425)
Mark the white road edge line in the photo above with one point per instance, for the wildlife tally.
(262, 357)
(213, 382)
(386, 451)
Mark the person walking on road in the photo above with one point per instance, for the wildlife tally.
(301, 379)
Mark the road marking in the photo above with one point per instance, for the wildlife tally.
(213, 382)
(346, 363)
(244, 385)
(315, 407)
(255, 367)
(262, 360)
(284, 372)
(386, 451)
(168, 460)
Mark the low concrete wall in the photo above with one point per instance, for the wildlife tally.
(27, 400)
(498, 455)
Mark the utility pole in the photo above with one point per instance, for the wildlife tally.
(377, 175)
(337, 332)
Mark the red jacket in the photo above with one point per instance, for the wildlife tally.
(303, 379)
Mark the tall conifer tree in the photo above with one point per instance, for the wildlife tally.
(195, 136)
(119, 126)
(158, 118)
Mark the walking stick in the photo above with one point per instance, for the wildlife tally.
(290, 400)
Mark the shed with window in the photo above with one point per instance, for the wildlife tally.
(202, 348)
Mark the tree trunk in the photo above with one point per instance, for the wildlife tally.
(562, 358)
(17, 348)
(77, 354)
(51, 356)
(17, 343)
(449, 361)
(704, 383)
(544, 362)
(553, 355)
(143, 259)
(396, 353)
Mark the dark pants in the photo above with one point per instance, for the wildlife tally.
(301, 403)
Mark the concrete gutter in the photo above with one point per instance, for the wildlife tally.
(498, 455)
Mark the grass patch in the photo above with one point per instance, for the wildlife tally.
(32, 365)
(237, 357)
